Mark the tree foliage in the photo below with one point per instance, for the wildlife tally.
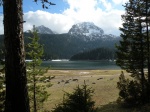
(95, 54)
(78, 101)
(37, 92)
(133, 52)
(130, 93)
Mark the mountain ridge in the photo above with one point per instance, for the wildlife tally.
(44, 30)
(81, 37)
(88, 31)
(64, 46)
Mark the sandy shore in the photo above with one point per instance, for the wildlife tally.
(104, 82)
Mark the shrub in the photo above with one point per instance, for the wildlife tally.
(78, 101)
(130, 92)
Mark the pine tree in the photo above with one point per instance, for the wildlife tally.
(133, 53)
(37, 92)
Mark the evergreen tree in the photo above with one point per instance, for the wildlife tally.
(133, 49)
(37, 92)
(15, 68)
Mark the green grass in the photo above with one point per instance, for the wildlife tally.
(105, 88)
(105, 94)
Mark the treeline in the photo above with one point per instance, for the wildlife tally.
(95, 54)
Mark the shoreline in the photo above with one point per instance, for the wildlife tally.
(82, 69)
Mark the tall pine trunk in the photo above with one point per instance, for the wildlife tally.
(15, 68)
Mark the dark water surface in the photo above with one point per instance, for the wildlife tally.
(81, 65)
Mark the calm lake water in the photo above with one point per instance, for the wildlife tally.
(81, 65)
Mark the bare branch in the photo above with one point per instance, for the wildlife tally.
(45, 3)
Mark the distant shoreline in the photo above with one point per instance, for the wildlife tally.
(81, 69)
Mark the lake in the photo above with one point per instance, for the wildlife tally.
(81, 65)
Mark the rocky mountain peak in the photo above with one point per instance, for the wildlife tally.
(44, 30)
(88, 29)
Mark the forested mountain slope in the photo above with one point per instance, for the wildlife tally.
(95, 54)
(81, 37)
(63, 46)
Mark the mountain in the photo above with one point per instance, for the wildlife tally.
(88, 31)
(80, 38)
(64, 46)
(44, 30)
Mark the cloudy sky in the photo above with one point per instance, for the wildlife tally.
(104, 13)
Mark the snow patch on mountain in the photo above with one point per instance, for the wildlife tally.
(88, 29)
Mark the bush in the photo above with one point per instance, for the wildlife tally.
(78, 101)
(130, 92)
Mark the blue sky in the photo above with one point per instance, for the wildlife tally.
(104, 13)
(60, 6)
(31, 5)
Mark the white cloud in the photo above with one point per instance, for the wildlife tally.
(56, 22)
(120, 1)
(100, 12)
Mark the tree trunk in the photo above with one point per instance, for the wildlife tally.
(34, 90)
(15, 68)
